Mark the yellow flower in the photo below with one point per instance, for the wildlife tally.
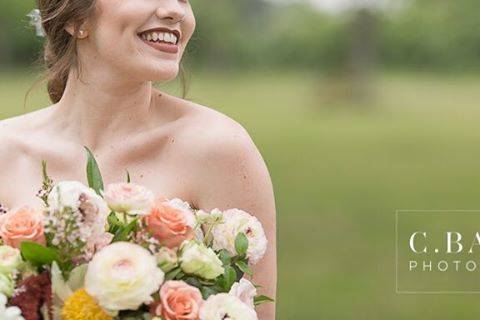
(81, 306)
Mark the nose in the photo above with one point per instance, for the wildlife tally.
(171, 10)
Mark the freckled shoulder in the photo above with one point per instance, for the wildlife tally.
(212, 135)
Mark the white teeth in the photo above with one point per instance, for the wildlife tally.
(160, 36)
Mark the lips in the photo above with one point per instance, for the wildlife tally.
(162, 46)
(162, 39)
(176, 32)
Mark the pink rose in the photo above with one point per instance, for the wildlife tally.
(179, 301)
(24, 224)
(171, 222)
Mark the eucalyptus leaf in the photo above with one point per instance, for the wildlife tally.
(207, 292)
(193, 282)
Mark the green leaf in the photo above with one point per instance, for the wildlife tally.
(225, 257)
(243, 266)
(172, 274)
(123, 232)
(113, 223)
(128, 177)
(94, 176)
(227, 279)
(193, 282)
(207, 292)
(37, 254)
(262, 299)
(180, 275)
(241, 244)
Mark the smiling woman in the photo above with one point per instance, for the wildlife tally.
(102, 58)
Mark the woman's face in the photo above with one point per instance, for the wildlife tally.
(143, 39)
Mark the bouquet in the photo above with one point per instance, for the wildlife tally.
(122, 252)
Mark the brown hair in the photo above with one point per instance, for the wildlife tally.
(60, 48)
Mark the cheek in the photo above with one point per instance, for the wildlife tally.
(115, 32)
(117, 21)
(190, 24)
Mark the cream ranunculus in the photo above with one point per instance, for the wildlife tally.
(225, 306)
(123, 276)
(236, 221)
(10, 259)
(129, 198)
(197, 259)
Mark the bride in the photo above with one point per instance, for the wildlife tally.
(102, 58)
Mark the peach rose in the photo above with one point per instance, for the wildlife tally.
(179, 301)
(24, 224)
(171, 222)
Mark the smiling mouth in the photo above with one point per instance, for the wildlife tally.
(161, 35)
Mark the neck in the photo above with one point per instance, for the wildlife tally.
(102, 110)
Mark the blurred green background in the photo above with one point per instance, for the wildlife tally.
(358, 110)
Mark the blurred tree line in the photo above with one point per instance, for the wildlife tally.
(425, 34)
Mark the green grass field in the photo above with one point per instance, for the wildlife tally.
(340, 171)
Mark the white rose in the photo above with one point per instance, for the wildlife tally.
(129, 198)
(123, 276)
(225, 306)
(10, 260)
(197, 259)
(7, 285)
(10, 313)
(236, 221)
(245, 291)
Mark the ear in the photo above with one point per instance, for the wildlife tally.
(82, 31)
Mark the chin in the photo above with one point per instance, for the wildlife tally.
(164, 74)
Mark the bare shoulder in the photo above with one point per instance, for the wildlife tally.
(8, 141)
(228, 169)
(213, 136)
(16, 132)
